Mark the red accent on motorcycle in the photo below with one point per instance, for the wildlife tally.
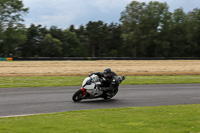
(84, 91)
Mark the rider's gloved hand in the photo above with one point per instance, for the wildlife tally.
(90, 74)
(102, 79)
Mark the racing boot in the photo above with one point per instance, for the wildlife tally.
(106, 92)
(106, 95)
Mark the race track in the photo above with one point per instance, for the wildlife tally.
(23, 101)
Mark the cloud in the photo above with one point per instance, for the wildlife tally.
(63, 13)
(187, 5)
(52, 12)
(107, 5)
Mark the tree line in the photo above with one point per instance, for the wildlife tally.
(144, 30)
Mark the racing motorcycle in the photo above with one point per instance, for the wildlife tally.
(91, 89)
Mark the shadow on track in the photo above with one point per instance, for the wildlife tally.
(98, 101)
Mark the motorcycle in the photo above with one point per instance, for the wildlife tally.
(91, 89)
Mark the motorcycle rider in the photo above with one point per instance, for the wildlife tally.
(109, 81)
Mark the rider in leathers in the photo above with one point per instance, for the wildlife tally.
(109, 81)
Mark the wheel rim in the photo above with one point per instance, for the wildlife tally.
(78, 97)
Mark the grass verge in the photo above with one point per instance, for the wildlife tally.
(47, 81)
(161, 119)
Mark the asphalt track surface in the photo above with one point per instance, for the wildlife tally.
(24, 101)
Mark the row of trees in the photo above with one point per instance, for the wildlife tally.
(152, 30)
(146, 30)
(96, 39)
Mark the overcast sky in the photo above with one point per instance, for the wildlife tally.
(63, 13)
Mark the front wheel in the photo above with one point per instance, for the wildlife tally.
(77, 96)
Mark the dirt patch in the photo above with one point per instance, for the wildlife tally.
(79, 68)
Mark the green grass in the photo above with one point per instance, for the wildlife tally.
(47, 81)
(161, 119)
(162, 79)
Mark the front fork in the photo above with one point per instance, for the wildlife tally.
(84, 92)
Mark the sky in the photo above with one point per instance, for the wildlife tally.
(63, 13)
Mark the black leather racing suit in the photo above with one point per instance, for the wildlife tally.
(109, 84)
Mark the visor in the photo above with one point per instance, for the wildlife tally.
(106, 74)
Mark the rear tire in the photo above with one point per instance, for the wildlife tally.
(77, 96)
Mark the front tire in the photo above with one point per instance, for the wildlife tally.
(77, 96)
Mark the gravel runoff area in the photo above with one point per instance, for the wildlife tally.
(80, 68)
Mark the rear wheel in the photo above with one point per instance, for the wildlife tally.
(77, 96)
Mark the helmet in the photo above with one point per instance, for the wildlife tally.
(107, 72)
